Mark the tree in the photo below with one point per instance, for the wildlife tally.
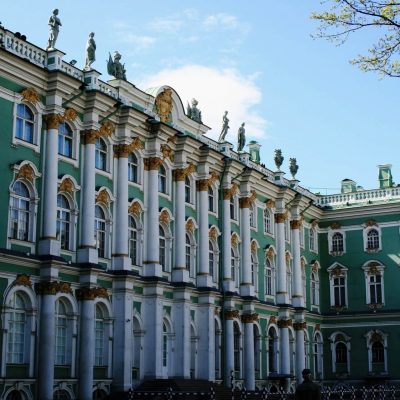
(345, 17)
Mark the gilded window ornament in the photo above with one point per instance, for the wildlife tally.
(373, 268)
(270, 252)
(123, 150)
(52, 287)
(247, 202)
(103, 197)
(315, 267)
(302, 263)
(67, 186)
(69, 114)
(371, 222)
(340, 338)
(26, 172)
(106, 129)
(272, 319)
(335, 225)
(190, 226)
(52, 121)
(318, 327)
(163, 105)
(229, 193)
(314, 223)
(234, 240)
(22, 280)
(280, 218)
(213, 233)
(204, 184)
(337, 271)
(164, 217)
(166, 151)
(270, 203)
(376, 337)
(135, 208)
(253, 246)
(30, 95)
(295, 224)
(287, 258)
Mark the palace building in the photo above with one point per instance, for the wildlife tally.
(134, 247)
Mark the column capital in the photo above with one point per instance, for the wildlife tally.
(246, 202)
(204, 184)
(249, 318)
(87, 293)
(52, 287)
(180, 174)
(152, 163)
(123, 150)
(229, 193)
(231, 314)
(89, 136)
(52, 121)
(295, 224)
(299, 326)
(280, 218)
(284, 323)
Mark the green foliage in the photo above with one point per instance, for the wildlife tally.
(344, 17)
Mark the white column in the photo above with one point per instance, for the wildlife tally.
(121, 257)
(249, 373)
(182, 333)
(46, 342)
(87, 251)
(122, 352)
(284, 348)
(229, 284)
(152, 265)
(86, 348)
(282, 294)
(48, 243)
(229, 350)
(300, 352)
(297, 295)
(206, 343)
(203, 277)
(246, 287)
(180, 273)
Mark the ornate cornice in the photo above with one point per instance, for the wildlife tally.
(152, 163)
(231, 314)
(123, 150)
(22, 280)
(52, 287)
(284, 323)
(229, 193)
(295, 224)
(299, 326)
(249, 318)
(204, 184)
(280, 218)
(30, 95)
(87, 293)
(180, 174)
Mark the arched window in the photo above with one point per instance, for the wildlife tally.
(253, 215)
(375, 288)
(341, 353)
(99, 394)
(236, 349)
(188, 190)
(133, 240)
(162, 248)
(162, 179)
(24, 123)
(65, 139)
(101, 155)
(99, 333)
(311, 238)
(318, 356)
(16, 330)
(314, 289)
(132, 168)
(337, 242)
(211, 259)
(373, 240)
(15, 395)
(378, 352)
(20, 212)
(254, 271)
(188, 252)
(61, 334)
(210, 199)
(272, 351)
(235, 267)
(267, 221)
(63, 221)
(268, 277)
(257, 351)
(165, 346)
(60, 394)
(100, 231)
(339, 291)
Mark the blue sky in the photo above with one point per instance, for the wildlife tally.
(254, 58)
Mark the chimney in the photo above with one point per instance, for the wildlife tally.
(385, 176)
(348, 186)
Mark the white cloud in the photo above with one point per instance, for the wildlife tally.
(140, 42)
(216, 90)
(220, 20)
(166, 25)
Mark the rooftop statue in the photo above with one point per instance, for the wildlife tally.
(225, 127)
(193, 112)
(90, 52)
(54, 23)
(241, 138)
(115, 68)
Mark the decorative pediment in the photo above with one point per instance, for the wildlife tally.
(30, 95)
(135, 208)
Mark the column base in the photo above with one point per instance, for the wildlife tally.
(247, 290)
(180, 275)
(50, 247)
(87, 255)
(298, 301)
(204, 280)
(282, 298)
(229, 285)
(122, 262)
(152, 269)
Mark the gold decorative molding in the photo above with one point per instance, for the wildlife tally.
(164, 105)
(295, 224)
(337, 271)
(253, 246)
(376, 337)
(52, 121)
(87, 293)
(284, 323)
(270, 252)
(152, 163)
(69, 115)
(335, 225)
(52, 287)
(314, 223)
(247, 202)
(103, 197)
(135, 208)
(270, 203)
(189, 226)
(217, 311)
(181, 174)
(204, 184)
(373, 268)
(287, 258)
(67, 186)
(315, 267)
(340, 338)
(317, 327)
(371, 222)
(164, 217)
(231, 314)
(280, 218)
(302, 263)
(272, 319)
(106, 129)
(234, 240)
(89, 136)
(299, 326)
(249, 318)
(229, 193)
(213, 233)
(22, 280)
(30, 95)
(26, 172)
(166, 151)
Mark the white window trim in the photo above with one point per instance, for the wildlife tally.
(140, 170)
(384, 340)
(315, 240)
(319, 342)
(108, 173)
(380, 269)
(331, 233)
(168, 180)
(273, 279)
(192, 181)
(168, 245)
(139, 238)
(343, 273)
(332, 340)
(365, 238)
(272, 224)
(108, 232)
(76, 127)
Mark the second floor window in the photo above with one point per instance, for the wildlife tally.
(101, 155)
(162, 248)
(337, 243)
(133, 240)
(188, 191)
(162, 180)
(373, 240)
(268, 278)
(132, 168)
(61, 334)
(19, 212)
(63, 221)
(100, 231)
(24, 123)
(339, 291)
(375, 289)
(211, 199)
(65, 140)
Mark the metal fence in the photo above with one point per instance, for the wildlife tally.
(381, 392)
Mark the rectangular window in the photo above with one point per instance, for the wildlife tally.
(99, 343)
(375, 289)
(339, 291)
(16, 339)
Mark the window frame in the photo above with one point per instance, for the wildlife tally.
(333, 250)
(37, 110)
(366, 233)
(374, 269)
(338, 271)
